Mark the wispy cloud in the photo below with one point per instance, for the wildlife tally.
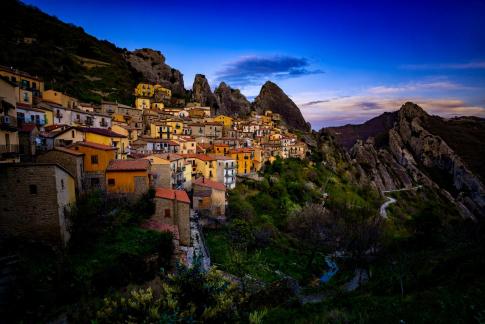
(250, 70)
(358, 109)
(446, 66)
(433, 85)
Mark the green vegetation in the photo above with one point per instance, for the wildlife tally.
(108, 250)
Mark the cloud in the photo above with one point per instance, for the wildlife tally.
(436, 85)
(358, 109)
(446, 66)
(250, 70)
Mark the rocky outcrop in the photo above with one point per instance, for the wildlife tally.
(271, 97)
(376, 127)
(202, 93)
(415, 156)
(151, 64)
(231, 101)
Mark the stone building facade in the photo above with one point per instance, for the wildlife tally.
(35, 200)
(173, 208)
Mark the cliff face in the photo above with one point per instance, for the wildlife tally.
(202, 93)
(231, 101)
(415, 156)
(151, 64)
(271, 97)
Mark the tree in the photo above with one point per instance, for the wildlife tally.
(314, 229)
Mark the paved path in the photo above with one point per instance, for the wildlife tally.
(198, 244)
(390, 200)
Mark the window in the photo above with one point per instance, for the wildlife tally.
(73, 134)
(62, 184)
(26, 97)
(111, 182)
(34, 85)
(167, 213)
(94, 159)
(33, 189)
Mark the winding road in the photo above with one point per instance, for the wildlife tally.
(390, 200)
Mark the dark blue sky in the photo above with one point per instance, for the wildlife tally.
(352, 59)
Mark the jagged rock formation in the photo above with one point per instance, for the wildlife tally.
(151, 64)
(202, 93)
(271, 97)
(415, 156)
(376, 127)
(231, 101)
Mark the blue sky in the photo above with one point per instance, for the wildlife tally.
(340, 62)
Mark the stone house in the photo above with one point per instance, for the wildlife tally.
(71, 160)
(28, 136)
(210, 197)
(35, 200)
(168, 170)
(173, 208)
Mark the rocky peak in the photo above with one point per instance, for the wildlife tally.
(202, 93)
(231, 101)
(151, 64)
(410, 110)
(271, 97)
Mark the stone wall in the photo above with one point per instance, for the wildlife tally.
(29, 207)
(72, 163)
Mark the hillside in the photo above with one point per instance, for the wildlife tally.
(69, 59)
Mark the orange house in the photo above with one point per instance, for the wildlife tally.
(128, 177)
(96, 160)
(221, 149)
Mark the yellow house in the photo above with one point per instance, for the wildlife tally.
(163, 92)
(144, 90)
(23, 79)
(59, 98)
(176, 126)
(160, 130)
(128, 177)
(9, 139)
(96, 161)
(226, 120)
(188, 145)
(142, 103)
(157, 105)
(245, 160)
(109, 138)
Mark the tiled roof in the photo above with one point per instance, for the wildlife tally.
(209, 183)
(27, 128)
(168, 156)
(242, 150)
(101, 131)
(95, 146)
(68, 151)
(203, 157)
(128, 165)
(166, 193)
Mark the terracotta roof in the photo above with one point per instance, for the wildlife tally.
(95, 146)
(68, 151)
(101, 131)
(242, 150)
(222, 157)
(160, 227)
(27, 128)
(128, 165)
(166, 193)
(168, 156)
(209, 183)
(222, 144)
(203, 157)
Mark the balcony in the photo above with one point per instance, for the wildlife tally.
(9, 148)
(58, 115)
(103, 123)
(8, 123)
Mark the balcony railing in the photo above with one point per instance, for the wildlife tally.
(103, 124)
(8, 123)
(10, 148)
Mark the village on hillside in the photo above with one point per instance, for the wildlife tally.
(54, 149)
